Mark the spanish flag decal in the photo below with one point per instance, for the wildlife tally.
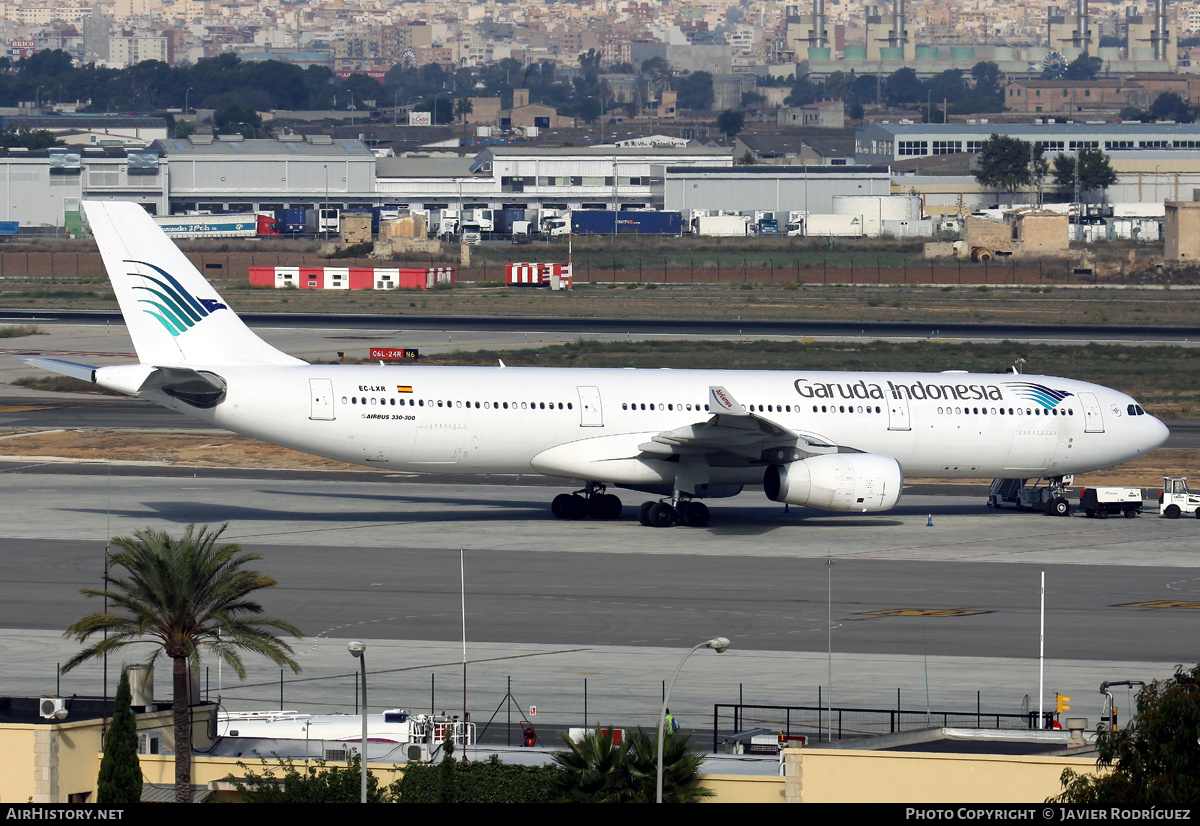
(404, 388)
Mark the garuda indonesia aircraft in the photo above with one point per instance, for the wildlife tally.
(835, 441)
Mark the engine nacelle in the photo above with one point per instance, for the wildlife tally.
(837, 482)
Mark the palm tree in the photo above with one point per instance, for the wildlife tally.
(596, 770)
(462, 108)
(183, 595)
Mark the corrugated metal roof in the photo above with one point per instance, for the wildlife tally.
(264, 146)
(423, 167)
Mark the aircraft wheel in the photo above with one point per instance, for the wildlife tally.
(1172, 512)
(644, 513)
(557, 506)
(1059, 507)
(660, 515)
(695, 514)
(574, 507)
(604, 506)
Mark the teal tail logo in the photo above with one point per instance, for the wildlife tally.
(1039, 393)
(175, 308)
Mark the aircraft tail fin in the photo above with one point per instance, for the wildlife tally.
(174, 315)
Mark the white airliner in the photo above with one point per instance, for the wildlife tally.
(835, 441)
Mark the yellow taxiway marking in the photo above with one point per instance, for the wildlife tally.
(926, 612)
(1161, 603)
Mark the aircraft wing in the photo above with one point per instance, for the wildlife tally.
(733, 430)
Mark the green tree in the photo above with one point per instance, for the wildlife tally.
(185, 595)
(987, 79)
(120, 781)
(1156, 760)
(235, 119)
(1170, 106)
(28, 138)
(695, 91)
(730, 122)
(1095, 171)
(315, 782)
(596, 770)
(1009, 164)
(903, 86)
(1084, 67)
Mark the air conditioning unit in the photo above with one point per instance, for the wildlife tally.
(52, 708)
(417, 753)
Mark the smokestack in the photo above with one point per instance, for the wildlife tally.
(818, 30)
(1081, 15)
(1160, 29)
(898, 23)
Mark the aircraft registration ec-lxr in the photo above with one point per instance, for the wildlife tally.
(836, 441)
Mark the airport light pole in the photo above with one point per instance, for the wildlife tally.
(358, 649)
(718, 644)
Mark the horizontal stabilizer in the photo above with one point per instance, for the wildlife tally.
(83, 372)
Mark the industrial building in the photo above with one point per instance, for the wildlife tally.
(805, 188)
(1150, 43)
(886, 142)
(231, 174)
(43, 187)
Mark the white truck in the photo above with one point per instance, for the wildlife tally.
(1103, 502)
(842, 226)
(1176, 500)
(723, 225)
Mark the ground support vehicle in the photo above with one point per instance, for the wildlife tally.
(1102, 502)
(1050, 497)
(1176, 500)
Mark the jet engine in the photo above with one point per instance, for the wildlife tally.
(837, 482)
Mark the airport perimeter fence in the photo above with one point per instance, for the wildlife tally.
(503, 689)
(603, 269)
(737, 723)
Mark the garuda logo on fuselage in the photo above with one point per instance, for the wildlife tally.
(1041, 394)
(176, 309)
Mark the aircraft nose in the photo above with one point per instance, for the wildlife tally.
(1156, 433)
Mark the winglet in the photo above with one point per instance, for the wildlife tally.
(722, 401)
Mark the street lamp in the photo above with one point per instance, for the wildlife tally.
(187, 95)
(358, 649)
(718, 644)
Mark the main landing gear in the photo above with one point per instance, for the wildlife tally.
(590, 501)
(664, 514)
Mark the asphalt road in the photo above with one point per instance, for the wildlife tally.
(667, 326)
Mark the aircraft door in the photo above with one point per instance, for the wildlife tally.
(898, 414)
(591, 414)
(1093, 417)
(321, 400)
